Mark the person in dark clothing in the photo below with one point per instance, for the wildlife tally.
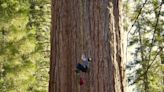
(81, 67)
(84, 66)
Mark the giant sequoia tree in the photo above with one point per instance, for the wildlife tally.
(92, 27)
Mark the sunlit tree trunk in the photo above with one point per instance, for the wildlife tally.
(92, 27)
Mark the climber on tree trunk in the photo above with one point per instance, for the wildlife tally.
(84, 67)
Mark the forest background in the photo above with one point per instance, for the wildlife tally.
(25, 45)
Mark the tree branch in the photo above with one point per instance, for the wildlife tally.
(138, 15)
(135, 22)
(155, 29)
(158, 53)
(140, 40)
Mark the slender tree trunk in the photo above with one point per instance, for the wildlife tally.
(92, 27)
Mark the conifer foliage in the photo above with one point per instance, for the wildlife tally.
(24, 45)
(146, 35)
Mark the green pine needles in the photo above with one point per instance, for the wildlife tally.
(24, 45)
(147, 37)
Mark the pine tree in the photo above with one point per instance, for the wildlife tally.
(23, 65)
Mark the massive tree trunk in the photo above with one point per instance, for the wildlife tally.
(92, 27)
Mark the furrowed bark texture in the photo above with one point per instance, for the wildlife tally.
(92, 27)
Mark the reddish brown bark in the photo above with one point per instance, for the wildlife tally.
(92, 27)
